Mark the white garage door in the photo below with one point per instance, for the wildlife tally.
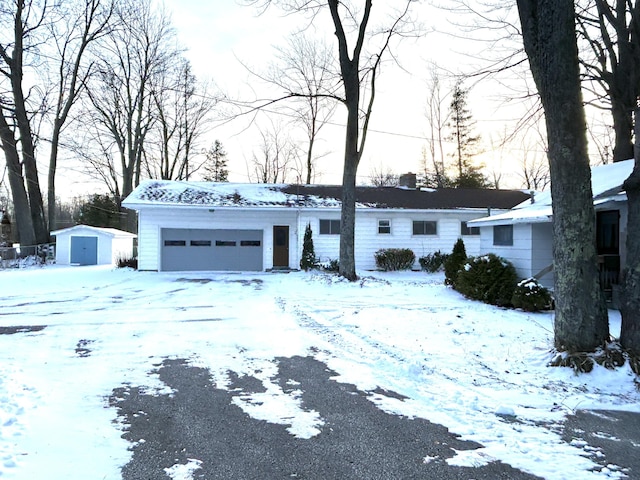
(185, 249)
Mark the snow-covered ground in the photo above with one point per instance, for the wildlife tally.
(462, 364)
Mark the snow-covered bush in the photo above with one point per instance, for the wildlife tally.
(488, 278)
(390, 259)
(330, 266)
(530, 296)
(454, 262)
(433, 262)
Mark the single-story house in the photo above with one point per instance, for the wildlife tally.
(524, 234)
(86, 245)
(185, 226)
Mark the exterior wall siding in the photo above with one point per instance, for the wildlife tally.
(519, 253)
(369, 241)
(327, 247)
(542, 252)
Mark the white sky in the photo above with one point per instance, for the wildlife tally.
(459, 363)
(218, 34)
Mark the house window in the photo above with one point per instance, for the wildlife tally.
(421, 227)
(175, 243)
(503, 235)
(467, 230)
(329, 227)
(384, 226)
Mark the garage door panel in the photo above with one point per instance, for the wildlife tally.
(196, 249)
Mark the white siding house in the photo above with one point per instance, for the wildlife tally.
(524, 234)
(255, 227)
(86, 245)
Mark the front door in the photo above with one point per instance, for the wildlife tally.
(280, 246)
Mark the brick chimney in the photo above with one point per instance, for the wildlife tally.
(407, 180)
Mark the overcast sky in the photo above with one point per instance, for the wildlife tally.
(220, 35)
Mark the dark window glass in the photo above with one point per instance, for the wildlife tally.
(384, 226)
(330, 227)
(421, 227)
(503, 235)
(225, 243)
(249, 243)
(608, 232)
(466, 230)
(200, 243)
(175, 243)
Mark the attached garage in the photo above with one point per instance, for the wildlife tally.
(86, 245)
(187, 249)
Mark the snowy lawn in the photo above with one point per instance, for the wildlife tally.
(481, 371)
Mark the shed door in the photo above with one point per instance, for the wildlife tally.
(281, 246)
(84, 250)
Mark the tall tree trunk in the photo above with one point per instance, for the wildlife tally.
(548, 27)
(622, 127)
(24, 223)
(630, 302)
(51, 176)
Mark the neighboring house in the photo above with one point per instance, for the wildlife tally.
(524, 235)
(254, 227)
(86, 245)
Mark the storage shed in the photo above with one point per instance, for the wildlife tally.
(86, 245)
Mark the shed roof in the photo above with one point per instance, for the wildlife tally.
(112, 232)
(175, 193)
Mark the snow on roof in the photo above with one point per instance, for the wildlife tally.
(606, 185)
(112, 232)
(174, 193)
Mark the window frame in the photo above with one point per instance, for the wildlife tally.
(425, 230)
(503, 239)
(382, 227)
(329, 226)
(467, 231)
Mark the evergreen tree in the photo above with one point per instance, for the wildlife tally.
(99, 211)
(308, 260)
(215, 168)
(454, 262)
(461, 125)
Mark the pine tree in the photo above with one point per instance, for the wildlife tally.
(308, 260)
(466, 144)
(215, 168)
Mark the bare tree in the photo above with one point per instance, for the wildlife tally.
(357, 74)
(130, 65)
(274, 156)
(383, 177)
(437, 118)
(77, 26)
(22, 23)
(181, 106)
(611, 58)
(548, 30)
(304, 70)
(534, 171)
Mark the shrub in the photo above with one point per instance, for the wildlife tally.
(308, 260)
(390, 259)
(454, 262)
(488, 278)
(330, 266)
(124, 262)
(530, 296)
(433, 262)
